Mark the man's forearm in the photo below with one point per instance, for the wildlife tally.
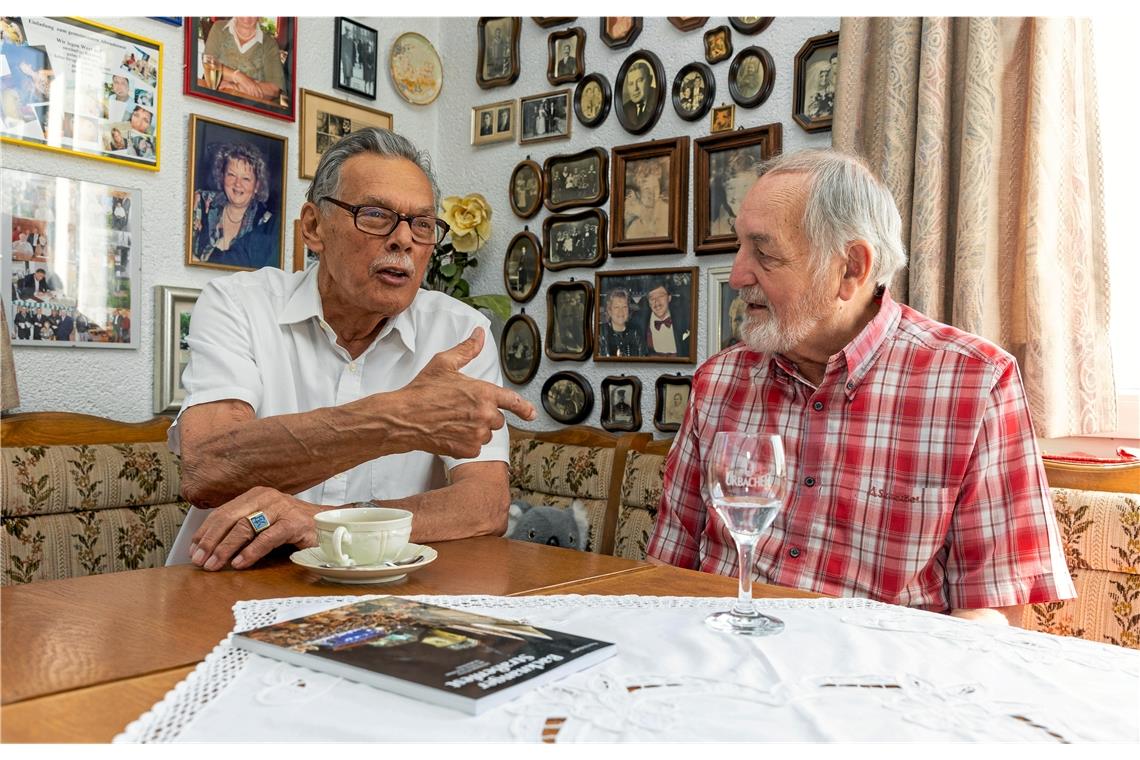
(475, 506)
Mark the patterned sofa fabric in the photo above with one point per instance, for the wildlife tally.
(641, 488)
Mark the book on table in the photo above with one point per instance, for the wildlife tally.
(449, 657)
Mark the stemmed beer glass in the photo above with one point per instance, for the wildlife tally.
(747, 481)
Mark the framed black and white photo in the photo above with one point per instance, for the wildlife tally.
(592, 99)
(726, 311)
(621, 403)
(545, 117)
(493, 123)
(566, 55)
(640, 88)
(567, 397)
(618, 32)
(718, 44)
(520, 349)
(723, 172)
(324, 120)
(574, 240)
(526, 189)
(522, 266)
(646, 315)
(354, 58)
(694, 88)
(672, 393)
(569, 306)
(578, 179)
(172, 307)
(498, 63)
(750, 77)
(750, 24)
(650, 186)
(817, 72)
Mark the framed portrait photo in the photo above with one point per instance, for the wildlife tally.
(569, 305)
(592, 99)
(672, 400)
(247, 62)
(617, 32)
(641, 90)
(545, 117)
(498, 63)
(578, 179)
(574, 240)
(646, 315)
(750, 76)
(750, 24)
(718, 44)
(566, 56)
(415, 69)
(235, 193)
(526, 189)
(650, 188)
(724, 169)
(355, 53)
(813, 93)
(723, 119)
(325, 120)
(726, 310)
(694, 88)
(101, 102)
(522, 266)
(493, 123)
(520, 349)
(567, 397)
(621, 403)
(173, 307)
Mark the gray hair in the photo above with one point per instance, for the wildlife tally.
(845, 202)
(381, 142)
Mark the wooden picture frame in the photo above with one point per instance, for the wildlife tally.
(355, 55)
(672, 393)
(639, 93)
(650, 187)
(621, 403)
(520, 349)
(726, 311)
(494, 122)
(574, 240)
(567, 397)
(526, 189)
(646, 315)
(548, 21)
(723, 119)
(172, 308)
(694, 89)
(751, 76)
(522, 266)
(688, 23)
(617, 32)
(109, 113)
(750, 24)
(577, 179)
(566, 55)
(723, 170)
(498, 62)
(415, 69)
(210, 76)
(545, 117)
(813, 93)
(569, 306)
(592, 98)
(324, 120)
(718, 44)
(214, 147)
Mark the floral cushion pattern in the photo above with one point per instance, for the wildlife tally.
(641, 487)
(561, 469)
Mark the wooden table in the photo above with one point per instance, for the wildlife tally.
(83, 657)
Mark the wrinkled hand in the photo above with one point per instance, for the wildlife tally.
(448, 413)
(227, 536)
(244, 84)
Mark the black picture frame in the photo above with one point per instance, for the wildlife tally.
(718, 44)
(522, 266)
(750, 24)
(592, 99)
(650, 188)
(498, 61)
(688, 23)
(586, 233)
(813, 98)
(723, 170)
(667, 412)
(545, 117)
(520, 349)
(621, 403)
(576, 179)
(751, 76)
(548, 21)
(569, 327)
(639, 289)
(617, 32)
(282, 106)
(694, 91)
(559, 69)
(526, 189)
(638, 67)
(364, 52)
(567, 397)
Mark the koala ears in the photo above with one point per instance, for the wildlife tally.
(515, 513)
(578, 510)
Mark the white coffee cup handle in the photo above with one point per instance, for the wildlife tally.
(340, 535)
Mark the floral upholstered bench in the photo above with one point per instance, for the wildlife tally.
(641, 486)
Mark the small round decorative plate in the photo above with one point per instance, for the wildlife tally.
(415, 69)
(312, 559)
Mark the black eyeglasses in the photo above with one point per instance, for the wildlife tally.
(377, 220)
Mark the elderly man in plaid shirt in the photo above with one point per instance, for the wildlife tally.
(917, 476)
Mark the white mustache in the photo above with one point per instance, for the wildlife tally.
(401, 261)
(754, 295)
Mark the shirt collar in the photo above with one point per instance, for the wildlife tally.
(243, 47)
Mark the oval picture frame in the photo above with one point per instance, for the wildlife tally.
(526, 200)
(747, 97)
(590, 81)
(682, 101)
(520, 349)
(523, 282)
(627, 116)
(750, 24)
(564, 407)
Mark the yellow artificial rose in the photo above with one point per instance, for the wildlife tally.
(470, 220)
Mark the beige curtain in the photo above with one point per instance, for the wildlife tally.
(986, 130)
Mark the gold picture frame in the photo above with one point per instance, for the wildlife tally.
(494, 122)
(324, 120)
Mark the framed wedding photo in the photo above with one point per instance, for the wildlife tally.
(578, 179)
(641, 88)
(574, 240)
(247, 62)
(726, 311)
(672, 393)
(718, 44)
(324, 120)
(569, 306)
(566, 56)
(694, 89)
(235, 193)
(817, 72)
(646, 315)
(545, 117)
(617, 32)
(173, 307)
(592, 99)
(526, 189)
(498, 63)
(354, 57)
(567, 397)
(522, 266)
(650, 189)
(621, 403)
(750, 76)
(724, 169)
(520, 349)
(493, 123)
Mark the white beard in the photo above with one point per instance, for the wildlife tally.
(780, 333)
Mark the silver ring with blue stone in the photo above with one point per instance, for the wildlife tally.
(258, 521)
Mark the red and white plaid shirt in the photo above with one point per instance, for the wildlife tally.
(918, 479)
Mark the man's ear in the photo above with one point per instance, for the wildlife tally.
(310, 227)
(856, 268)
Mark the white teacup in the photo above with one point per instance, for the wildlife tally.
(363, 535)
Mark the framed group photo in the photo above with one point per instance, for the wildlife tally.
(817, 72)
(566, 57)
(672, 392)
(526, 189)
(646, 315)
(247, 62)
(522, 266)
(567, 397)
(641, 88)
(694, 89)
(498, 63)
(750, 77)
(520, 349)
(354, 57)
(493, 123)
(621, 403)
(650, 188)
(324, 120)
(724, 169)
(173, 307)
(574, 240)
(578, 179)
(569, 305)
(592, 100)
(236, 188)
(545, 117)
(726, 311)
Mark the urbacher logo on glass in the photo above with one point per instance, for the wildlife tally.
(741, 479)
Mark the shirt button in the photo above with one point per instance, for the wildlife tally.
(817, 405)
(850, 384)
(809, 481)
(352, 367)
(793, 552)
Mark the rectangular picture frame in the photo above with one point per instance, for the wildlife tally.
(172, 307)
(545, 117)
(498, 63)
(726, 311)
(672, 394)
(569, 334)
(816, 75)
(632, 340)
(650, 187)
(355, 54)
(214, 72)
(324, 120)
(723, 170)
(621, 403)
(494, 122)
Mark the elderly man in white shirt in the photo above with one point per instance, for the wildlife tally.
(345, 383)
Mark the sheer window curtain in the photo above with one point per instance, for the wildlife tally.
(986, 131)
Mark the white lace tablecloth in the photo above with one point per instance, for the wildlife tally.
(843, 669)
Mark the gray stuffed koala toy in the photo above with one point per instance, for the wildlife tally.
(554, 526)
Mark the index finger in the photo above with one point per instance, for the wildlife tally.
(512, 402)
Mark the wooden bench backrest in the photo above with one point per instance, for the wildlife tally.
(1123, 477)
(72, 429)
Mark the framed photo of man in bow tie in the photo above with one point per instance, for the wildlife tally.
(646, 315)
(724, 169)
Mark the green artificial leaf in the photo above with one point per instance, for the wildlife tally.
(449, 270)
(500, 306)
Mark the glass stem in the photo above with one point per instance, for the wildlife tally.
(746, 550)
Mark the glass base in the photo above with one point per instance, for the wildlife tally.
(746, 625)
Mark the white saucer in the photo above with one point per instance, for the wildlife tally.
(312, 559)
